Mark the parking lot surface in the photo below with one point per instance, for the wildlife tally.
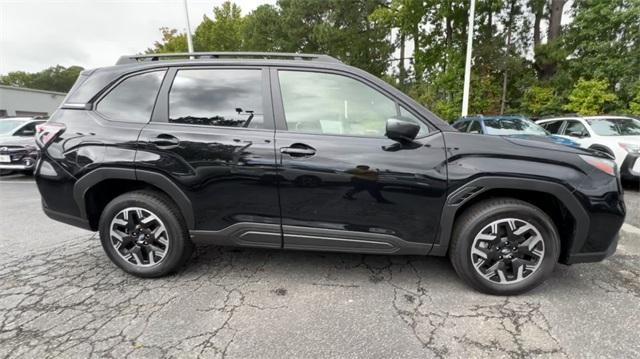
(61, 297)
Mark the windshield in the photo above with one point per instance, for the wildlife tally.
(513, 126)
(8, 126)
(615, 126)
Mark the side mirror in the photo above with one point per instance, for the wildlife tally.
(577, 134)
(401, 130)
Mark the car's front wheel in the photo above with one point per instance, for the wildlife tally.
(504, 246)
(144, 234)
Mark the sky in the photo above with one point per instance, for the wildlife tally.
(35, 35)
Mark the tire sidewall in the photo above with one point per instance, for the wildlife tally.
(535, 217)
(172, 226)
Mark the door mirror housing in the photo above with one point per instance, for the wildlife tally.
(401, 130)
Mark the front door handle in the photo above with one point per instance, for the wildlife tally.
(166, 141)
(298, 150)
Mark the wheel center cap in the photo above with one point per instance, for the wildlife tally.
(506, 251)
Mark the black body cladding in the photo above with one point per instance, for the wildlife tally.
(245, 178)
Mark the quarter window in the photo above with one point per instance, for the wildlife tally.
(217, 97)
(333, 104)
(133, 99)
(553, 127)
(576, 129)
(475, 127)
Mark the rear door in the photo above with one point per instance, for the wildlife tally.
(343, 185)
(212, 134)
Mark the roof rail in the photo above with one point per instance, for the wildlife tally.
(131, 59)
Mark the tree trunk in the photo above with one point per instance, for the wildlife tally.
(416, 50)
(403, 71)
(537, 9)
(555, 19)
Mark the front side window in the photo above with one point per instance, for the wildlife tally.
(334, 105)
(461, 126)
(217, 97)
(132, 100)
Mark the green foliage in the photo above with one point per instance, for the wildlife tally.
(541, 101)
(634, 104)
(55, 78)
(171, 41)
(590, 97)
(223, 33)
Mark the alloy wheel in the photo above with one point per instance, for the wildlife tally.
(507, 251)
(139, 236)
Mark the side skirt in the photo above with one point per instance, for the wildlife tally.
(262, 235)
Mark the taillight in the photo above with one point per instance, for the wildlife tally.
(46, 132)
(603, 164)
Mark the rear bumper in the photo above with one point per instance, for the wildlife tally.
(593, 256)
(68, 219)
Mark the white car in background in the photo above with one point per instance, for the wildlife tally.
(619, 136)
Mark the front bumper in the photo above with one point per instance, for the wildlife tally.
(630, 168)
(19, 159)
(593, 256)
(17, 167)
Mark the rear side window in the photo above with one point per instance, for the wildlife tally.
(217, 97)
(553, 127)
(132, 100)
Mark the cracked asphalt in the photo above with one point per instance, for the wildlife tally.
(61, 297)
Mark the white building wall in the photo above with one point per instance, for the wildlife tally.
(17, 101)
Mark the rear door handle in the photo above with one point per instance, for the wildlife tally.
(166, 141)
(298, 151)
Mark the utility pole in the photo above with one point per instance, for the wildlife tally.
(189, 41)
(467, 66)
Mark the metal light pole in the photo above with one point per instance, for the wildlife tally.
(189, 41)
(467, 66)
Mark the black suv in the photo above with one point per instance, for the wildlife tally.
(303, 152)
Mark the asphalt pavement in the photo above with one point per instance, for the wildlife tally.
(61, 297)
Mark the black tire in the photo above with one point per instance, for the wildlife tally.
(476, 218)
(180, 246)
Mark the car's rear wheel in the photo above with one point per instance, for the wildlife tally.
(143, 233)
(504, 246)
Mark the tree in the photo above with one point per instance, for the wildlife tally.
(262, 31)
(172, 41)
(55, 78)
(590, 97)
(541, 101)
(223, 33)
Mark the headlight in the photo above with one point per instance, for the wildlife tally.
(630, 147)
(603, 164)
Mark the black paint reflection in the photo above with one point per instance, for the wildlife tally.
(365, 179)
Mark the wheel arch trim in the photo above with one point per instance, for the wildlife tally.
(84, 184)
(456, 199)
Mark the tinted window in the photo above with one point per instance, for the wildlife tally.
(132, 100)
(475, 127)
(553, 127)
(223, 97)
(28, 130)
(615, 126)
(333, 104)
(576, 129)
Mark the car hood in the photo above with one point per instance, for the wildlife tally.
(17, 141)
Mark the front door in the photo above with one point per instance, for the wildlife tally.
(343, 185)
(212, 133)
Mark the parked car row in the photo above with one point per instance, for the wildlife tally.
(617, 136)
(18, 150)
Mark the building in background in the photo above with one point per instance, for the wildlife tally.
(18, 101)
